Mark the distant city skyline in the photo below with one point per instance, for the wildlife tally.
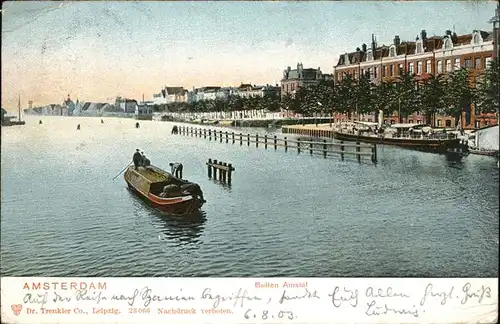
(95, 51)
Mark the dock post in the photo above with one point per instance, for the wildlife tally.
(286, 145)
(209, 134)
(324, 148)
(241, 139)
(342, 148)
(226, 137)
(214, 169)
(230, 166)
(205, 133)
(232, 135)
(298, 145)
(209, 168)
(265, 141)
(358, 150)
(256, 140)
(220, 133)
(311, 148)
(224, 172)
(275, 143)
(374, 153)
(248, 139)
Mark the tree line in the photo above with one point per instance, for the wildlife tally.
(444, 94)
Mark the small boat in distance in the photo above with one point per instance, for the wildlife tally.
(149, 183)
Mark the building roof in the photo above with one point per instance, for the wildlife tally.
(409, 47)
(175, 90)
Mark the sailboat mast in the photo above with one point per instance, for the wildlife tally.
(19, 107)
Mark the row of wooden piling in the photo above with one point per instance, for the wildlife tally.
(323, 147)
(313, 132)
(224, 169)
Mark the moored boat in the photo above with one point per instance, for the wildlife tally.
(415, 140)
(150, 184)
(483, 152)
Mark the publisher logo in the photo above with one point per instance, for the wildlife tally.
(16, 308)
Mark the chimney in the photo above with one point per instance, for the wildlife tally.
(374, 44)
(423, 34)
(358, 49)
(363, 47)
(397, 41)
(448, 32)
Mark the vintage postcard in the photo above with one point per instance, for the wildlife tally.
(250, 161)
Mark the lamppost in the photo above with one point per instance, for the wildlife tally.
(316, 115)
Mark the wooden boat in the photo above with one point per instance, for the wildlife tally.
(148, 183)
(483, 152)
(366, 135)
(422, 144)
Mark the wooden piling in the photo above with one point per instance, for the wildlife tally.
(229, 171)
(241, 139)
(374, 153)
(204, 133)
(209, 134)
(214, 169)
(256, 140)
(248, 139)
(286, 144)
(324, 148)
(224, 172)
(232, 136)
(275, 142)
(209, 168)
(342, 148)
(220, 133)
(298, 145)
(358, 150)
(226, 138)
(265, 141)
(311, 148)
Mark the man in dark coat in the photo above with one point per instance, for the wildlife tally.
(137, 159)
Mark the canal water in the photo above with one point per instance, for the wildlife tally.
(413, 214)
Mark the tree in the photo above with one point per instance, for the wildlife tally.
(432, 92)
(382, 98)
(458, 93)
(406, 94)
(489, 89)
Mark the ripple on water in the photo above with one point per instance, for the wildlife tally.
(414, 214)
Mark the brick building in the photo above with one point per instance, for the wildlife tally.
(300, 77)
(423, 57)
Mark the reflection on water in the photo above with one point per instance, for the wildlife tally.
(177, 229)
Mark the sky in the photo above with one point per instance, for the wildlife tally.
(95, 51)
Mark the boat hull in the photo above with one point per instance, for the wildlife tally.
(431, 145)
(485, 153)
(179, 206)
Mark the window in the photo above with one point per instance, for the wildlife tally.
(369, 55)
(370, 72)
(428, 68)
(487, 62)
(477, 38)
(448, 66)
(448, 43)
(410, 67)
(457, 63)
(440, 67)
(439, 122)
(400, 68)
(419, 67)
(383, 70)
(392, 51)
(477, 64)
(468, 63)
(420, 48)
(448, 123)
(354, 74)
(375, 70)
(391, 70)
(411, 121)
(362, 73)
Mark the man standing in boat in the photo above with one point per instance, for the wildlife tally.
(137, 159)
